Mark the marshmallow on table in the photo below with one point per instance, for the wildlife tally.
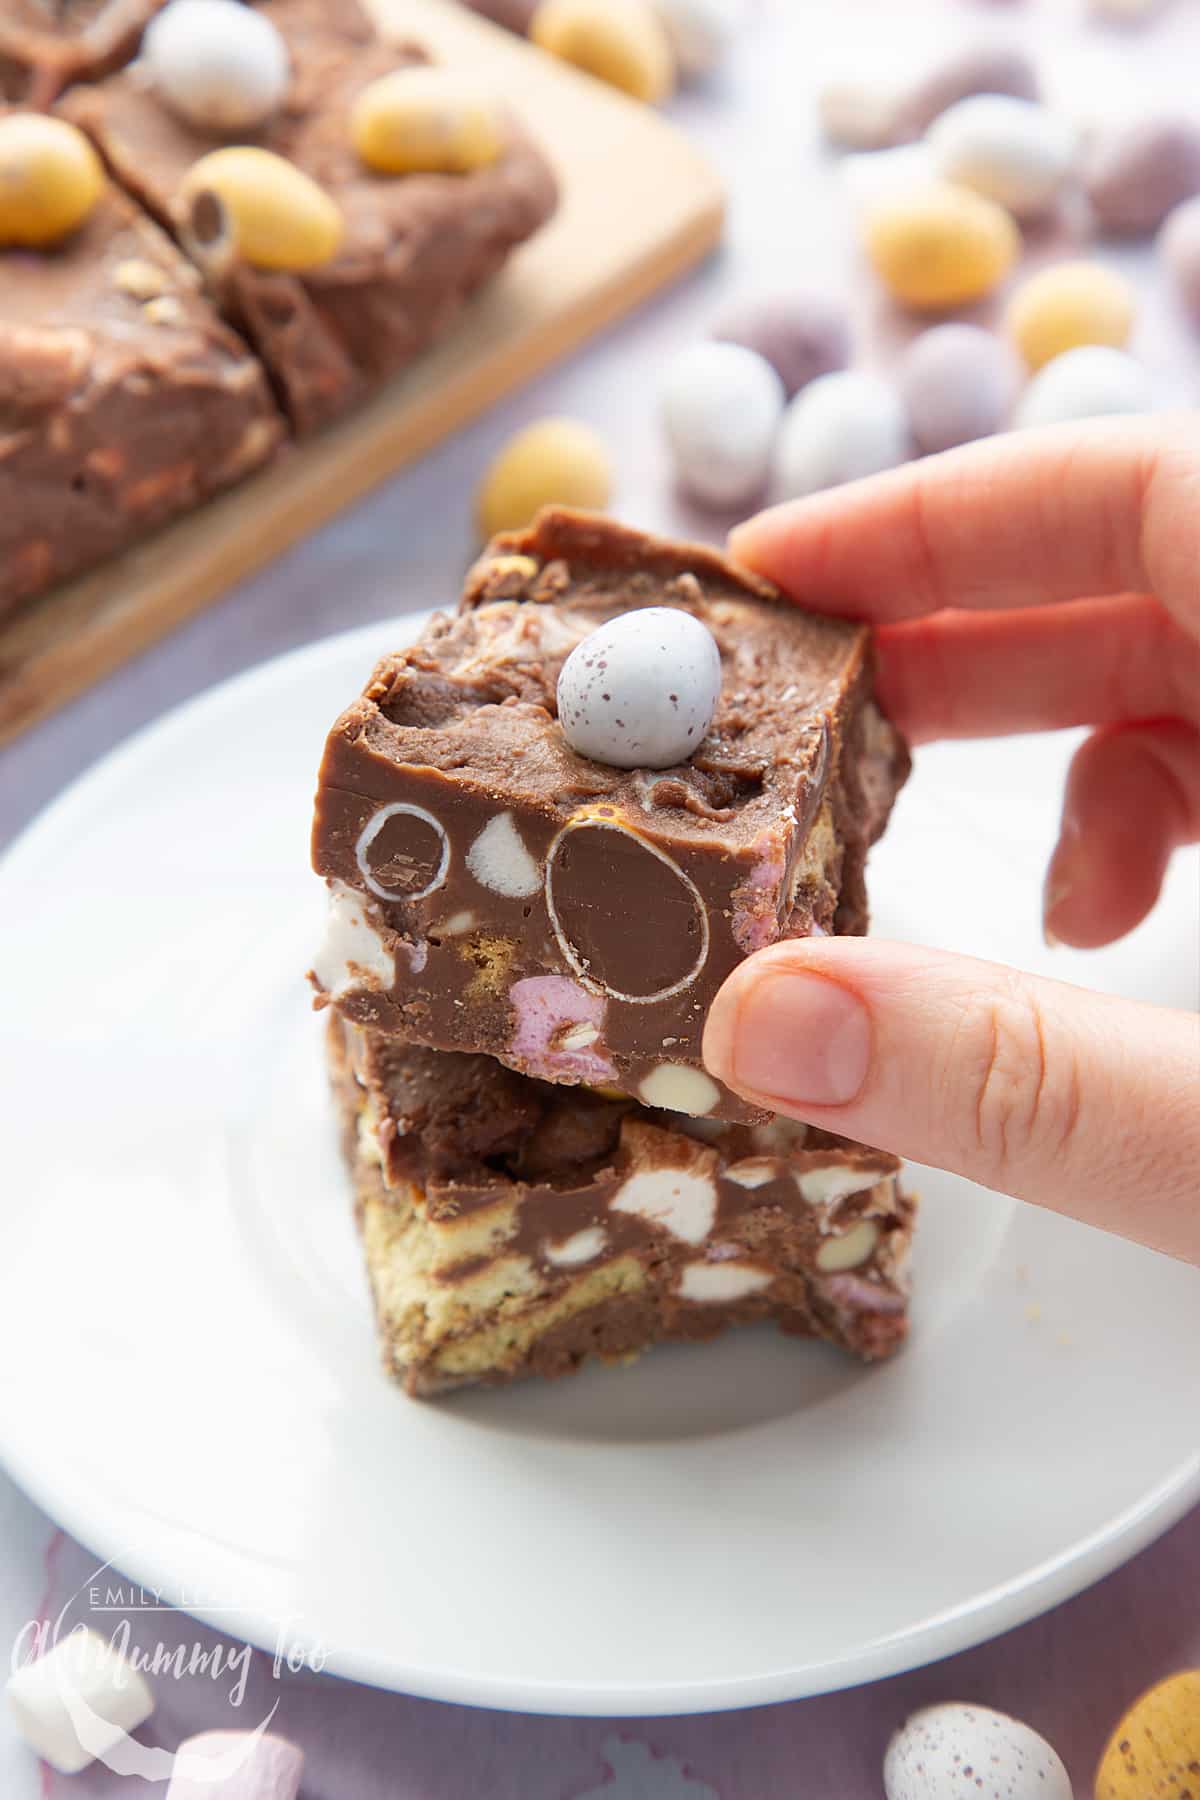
(78, 1701)
(236, 1765)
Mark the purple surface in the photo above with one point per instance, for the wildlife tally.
(1071, 1673)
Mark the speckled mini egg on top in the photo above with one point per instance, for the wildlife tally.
(640, 692)
(947, 1752)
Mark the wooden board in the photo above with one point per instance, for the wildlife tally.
(639, 206)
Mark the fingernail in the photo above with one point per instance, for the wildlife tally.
(801, 1039)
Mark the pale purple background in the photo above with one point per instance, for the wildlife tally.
(1070, 1673)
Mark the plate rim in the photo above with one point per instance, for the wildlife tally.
(998, 1609)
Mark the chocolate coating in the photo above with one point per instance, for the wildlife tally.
(472, 1179)
(415, 247)
(123, 398)
(589, 914)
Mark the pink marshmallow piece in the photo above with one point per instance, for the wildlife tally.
(236, 1765)
(543, 1004)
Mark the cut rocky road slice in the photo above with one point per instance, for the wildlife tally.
(512, 1227)
(492, 891)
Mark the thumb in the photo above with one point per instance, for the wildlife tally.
(1071, 1099)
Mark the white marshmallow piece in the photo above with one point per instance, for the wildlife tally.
(1085, 383)
(721, 407)
(701, 32)
(499, 860)
(218, 64)
(352, 948)
(674, 1087)
(236, 1765)
(839, 428)
(682, 1202)
(640, 692)
(711, 1282)
(581, 1247)
(78, 1701)
(850, 1249)
(1013, 151)
(822, 1187)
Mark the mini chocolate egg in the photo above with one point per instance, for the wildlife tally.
(623, 42)
(218, 64)
(1085, 384)
(1014, 151)
(701, 32)
(640, 692)
(427, 120)
(50, 179)
(721, 407)
(940, 247)
(245, 201)
(1179, 247)
(553, 462)
(983, 68)
(1136, 174)
(944, 1752)
(841, 427)
(1068, 304)
(860, 113)
(959, 383)
(1154, 1753)
(802, 335)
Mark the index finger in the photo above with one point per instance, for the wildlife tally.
(1029, 518)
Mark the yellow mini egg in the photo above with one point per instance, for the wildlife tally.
(940, 246)
(1070, 304)
(259, 206)
(426, 120)
(1154, 1754)
(50, 179)
(623, 42)
(555, 462)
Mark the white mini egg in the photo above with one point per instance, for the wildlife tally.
(218, 64)
(840, 427)
(701, 32)
(1085, 383)
(946, 1751)
(1179, 247)
(959, 383)
(1010, 150)
(640, 692)
(721, 407)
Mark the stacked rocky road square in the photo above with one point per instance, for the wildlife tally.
(524, 941)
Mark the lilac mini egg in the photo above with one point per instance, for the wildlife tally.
(802, 335)
(959, 383)
(1135, 175)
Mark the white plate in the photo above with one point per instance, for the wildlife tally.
(191, 1384)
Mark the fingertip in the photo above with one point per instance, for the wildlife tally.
(1126, 809)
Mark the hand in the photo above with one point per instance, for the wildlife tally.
(972, 565)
